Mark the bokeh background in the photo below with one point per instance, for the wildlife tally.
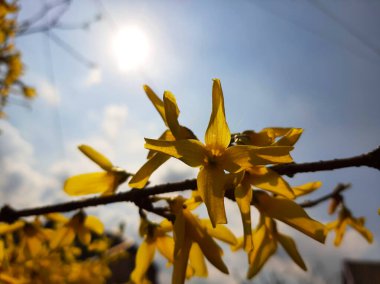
(311, 64)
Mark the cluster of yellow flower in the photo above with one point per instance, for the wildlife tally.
(10, 57)
(226, 162)
(51, 251)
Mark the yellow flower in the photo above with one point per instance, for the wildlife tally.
(80, 225)
(32, 236)
(6, 228)
(273, 136)
(155, 237)
(169, 113)
(215, 157)
(345, 218)
(290, 213)
(262, 242)
(193, 240)
(264, 178)
(265, 241)
(101, 182)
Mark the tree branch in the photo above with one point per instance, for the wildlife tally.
(8, 214)
(371, 159)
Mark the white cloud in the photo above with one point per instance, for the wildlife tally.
(47, 92)
(173, 171)
(21, 183)
(94, 77)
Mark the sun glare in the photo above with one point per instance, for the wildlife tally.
(130, 48)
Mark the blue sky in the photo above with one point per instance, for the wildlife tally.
(309, 64)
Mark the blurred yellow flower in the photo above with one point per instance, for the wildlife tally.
(80, 225)
(155, 237)
(265, 238)
(101, 182)
(345, 218)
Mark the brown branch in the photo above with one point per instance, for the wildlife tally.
(371, 159)
(8, 214)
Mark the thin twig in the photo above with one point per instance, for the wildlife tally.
(27, 26)
(70, 50)
(338, 189)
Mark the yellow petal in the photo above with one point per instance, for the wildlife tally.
(33, 245)
(331, 225)
(264, 247)
(233, 179)
(276, 132)
(99, 245)
(179, 231)
(218, 135)
(165, 226)
(239, 244)
(210, 183)
(190, 151)
(340, 231)
(240, 157)
(269, 180)
(180, 262)
(208, 246)
(290, 213)
(57, 217)
(2, 251)
(171, 114)
(243, 196)
(96, 157)
(94, 224)
(220, 232)
(167, 136)
(165, 246)
(144, 258)
(156, 101)
(306, 188)
(84, 235)
(142, 176)
(9, 228)
(197, 261)
(262, 138)
(7, 279)
(62, 237)
(290, 138)
(90, 183)
(195, 200)
(290, 247)
(358, 226)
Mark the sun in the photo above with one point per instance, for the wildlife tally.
(131, 48)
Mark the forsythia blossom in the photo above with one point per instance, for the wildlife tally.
(101, 182)
(215, 157)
